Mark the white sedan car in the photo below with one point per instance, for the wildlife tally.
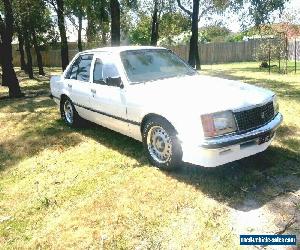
(151, 95)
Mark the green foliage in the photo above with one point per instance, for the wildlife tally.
(259, 11)
(171, 24)
(270, 47)
(141, 33)
(236, 37)
(97, 14)
(33, 14)
(76, 7)
(214, 33)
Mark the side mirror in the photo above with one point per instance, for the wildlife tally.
(115, 81)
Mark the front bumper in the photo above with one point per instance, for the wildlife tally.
(229, 140)
(221, 150)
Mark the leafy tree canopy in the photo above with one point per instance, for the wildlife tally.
(214, 33)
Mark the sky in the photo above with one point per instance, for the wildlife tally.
(233, 21)
(230, 20)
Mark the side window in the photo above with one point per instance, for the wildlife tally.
(80, 69)
(72, 73)
(102, 71)
(84, 66)
(110, 70)
(98, 72)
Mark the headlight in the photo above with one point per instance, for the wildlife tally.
(218, 123)
(276, 105)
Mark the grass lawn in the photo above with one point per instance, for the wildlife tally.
(93, 188)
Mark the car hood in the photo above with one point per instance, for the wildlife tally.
(201, 94)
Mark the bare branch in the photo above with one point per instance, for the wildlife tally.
(52, 3)
(205, 11)
(190, 13)
(72, 20)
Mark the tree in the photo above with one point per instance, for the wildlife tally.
(199, 11)
(194, 59)
(97, 13)
(260, 10)
(9, 77)
(59, 8)
(157, 21)
(29, 65)
(38, 52)
(21, 49)
(77, 8)
(155, 24)
(141, 33)
(173, 24)
(214, 33)
(115, 22)
(33, 22)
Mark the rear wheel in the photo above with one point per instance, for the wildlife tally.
(69, 113)
(161, 143)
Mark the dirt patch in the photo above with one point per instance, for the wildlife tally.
(280, 215)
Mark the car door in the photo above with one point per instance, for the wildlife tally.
(108, 100)
(78, 82)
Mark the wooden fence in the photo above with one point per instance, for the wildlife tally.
(210, 53)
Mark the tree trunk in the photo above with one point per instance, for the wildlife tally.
(90, 29)
(115, 22)
(38, 53)
(63, 36)
(103, 36)
(79, 40)
(28, 54)
(104, 21)
(155, 24)
(21, 50)
(1, 52)
(194, 59)
(9, 77)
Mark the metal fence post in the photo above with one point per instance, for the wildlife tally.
(295, 55)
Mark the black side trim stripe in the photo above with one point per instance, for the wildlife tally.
(109, 115)
(103, 113)
(54, 97)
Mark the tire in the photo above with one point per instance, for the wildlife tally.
(68, 113)
(161, 144)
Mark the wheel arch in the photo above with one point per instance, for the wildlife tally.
(63, 97)
(150, 116)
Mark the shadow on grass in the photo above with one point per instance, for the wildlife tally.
(38, 86)
(55, 135)
(25, 104)
(232, 183)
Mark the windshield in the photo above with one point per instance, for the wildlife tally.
(153, 64)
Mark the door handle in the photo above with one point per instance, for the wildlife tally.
(70, 86)
(93, 91)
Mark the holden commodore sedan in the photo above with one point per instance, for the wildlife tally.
(151, 95)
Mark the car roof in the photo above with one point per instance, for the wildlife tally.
(120, 49)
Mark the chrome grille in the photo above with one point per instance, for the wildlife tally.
(255, 117)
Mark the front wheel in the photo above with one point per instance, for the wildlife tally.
(161, 143)
(69, 113)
